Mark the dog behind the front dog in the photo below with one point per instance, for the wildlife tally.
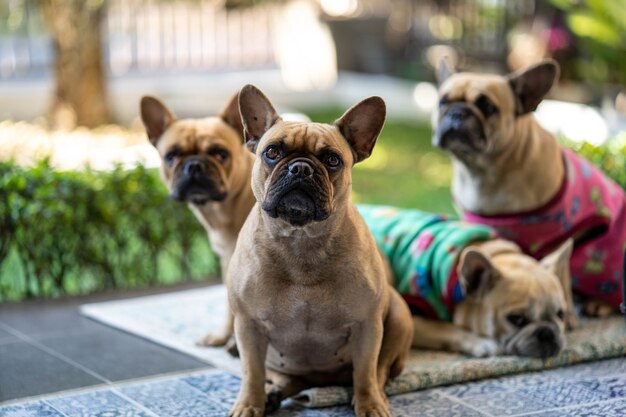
(307, 284)
(470, 291)
(205, 164)
(511, 174)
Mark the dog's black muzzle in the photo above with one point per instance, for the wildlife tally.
(545, 343)
(298, 195)
(460, 130)
(198, 181)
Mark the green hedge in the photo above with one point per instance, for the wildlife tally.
(81, 232)
(611, 158)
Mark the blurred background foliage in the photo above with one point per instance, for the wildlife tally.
(77, 232)
(600, 27)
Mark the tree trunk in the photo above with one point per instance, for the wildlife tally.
(80, 80)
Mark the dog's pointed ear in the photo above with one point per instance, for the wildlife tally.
(257, 115)
(532, 84)
(558, 261)
(476, 273)
(156, 117)
(444, 70)
(231, 115)
(361, 125)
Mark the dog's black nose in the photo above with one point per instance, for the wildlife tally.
(300, 169)
(459, 111)
(544, 334)
(192, 167)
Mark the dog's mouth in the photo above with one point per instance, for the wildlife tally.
(461, 133)
(298, 203)
(461, 139)
(198, 181)
(297, 207)
(199, 191)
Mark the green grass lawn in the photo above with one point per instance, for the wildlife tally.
(404, 169)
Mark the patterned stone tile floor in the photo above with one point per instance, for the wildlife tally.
(592, 389)
(53, 362)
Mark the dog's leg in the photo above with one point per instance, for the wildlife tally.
(280, 387)
(397, 339)
(252, 349)
(440, 335)
(222, 336)
(225, 334)
(366, 344)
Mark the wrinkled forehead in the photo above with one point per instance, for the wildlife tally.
(526, 277)
(468, 86)
(306, 137)
(197, 134)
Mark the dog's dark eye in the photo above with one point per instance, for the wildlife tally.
(517, 320)
(443, 101)
(219, 154)
(485, 106)
(332, 160)
(560, 314)
(272, 153)
(171, 155)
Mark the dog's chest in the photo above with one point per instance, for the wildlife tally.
(308, 330)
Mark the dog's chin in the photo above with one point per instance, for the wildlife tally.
(202, 199)
(296, 207)
(198, 195)
(461, 143)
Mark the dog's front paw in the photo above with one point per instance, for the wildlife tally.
(371, 406)
(372, 410)
(214, 340)
(597, 308)
(482, 348)
(244, 410)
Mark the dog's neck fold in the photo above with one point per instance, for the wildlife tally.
(325, 241)
(224, 219)
(522, 176)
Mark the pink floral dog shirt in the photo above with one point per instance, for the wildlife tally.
(589, 207)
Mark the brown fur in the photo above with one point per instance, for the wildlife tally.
(520, 168)
(503, 281)
(504, 179)
(195, 138)
(312, 302)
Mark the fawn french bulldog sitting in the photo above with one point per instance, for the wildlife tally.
(206, 165)
(511, 174)
(308, 287)
(470, 291)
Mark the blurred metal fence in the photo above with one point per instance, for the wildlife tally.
(147, 35)
(393, 36)
(478, 28)
(160, 35)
